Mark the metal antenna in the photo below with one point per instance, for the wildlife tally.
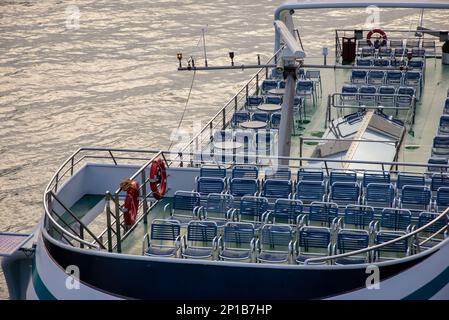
(204, 46)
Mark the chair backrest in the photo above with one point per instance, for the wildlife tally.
(443, 197)
(240, 116)
(380, 192)
(165, 230)
(376, 178)
(273, 99)
(313, 237)
(409, 91)
(238, 234)
(276, 237)
(212, 171)
(352, 240)
(206, 185)
(310, 190)
(287, 209)
(419, 195)
(323, 212)
(345, 191)
(245, 171)
(418, 52)
(254, 100)
(364, 62)
(222, 135)
(185, 200)
(412, 75)
(219, 203)
(407, 179)
(277, 188)
(438, 181)
(244, 187)
(358, 75)
(382, 62)
(444, 120)
(304, 86)
(343, 176)
(253, 206)
(427, 217)
(387, 90)
(419, 64)
(313, 74)
(367, 90)
(279, 173)
(349, 89)
(359, 216)
(310, 175)
(441, 142)
(440, 161)
(260, 116)
(202, 231)
(377, 74)
(393, 75)
(397, 247)
(269, 84)
(276, 119)
(396, 219)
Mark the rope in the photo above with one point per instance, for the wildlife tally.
(190, 90)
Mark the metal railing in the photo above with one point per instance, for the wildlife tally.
(224, 116)
(371, 249)
(174, 158)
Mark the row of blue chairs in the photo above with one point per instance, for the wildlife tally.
(274, 243)
(243, 116)
(391, 62)
(440, 146)
(316, 174)
(400, 97)
(391, 78)
(392, 52)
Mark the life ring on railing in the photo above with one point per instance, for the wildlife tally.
(377, 43)
(131, 204)
(158, 179)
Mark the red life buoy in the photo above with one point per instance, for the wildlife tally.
(158, 179)
(383, 35)
(131, 204)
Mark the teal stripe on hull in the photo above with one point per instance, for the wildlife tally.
(39, 287)
(431, 288)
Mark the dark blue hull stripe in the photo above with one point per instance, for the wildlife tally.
(431, 288)
(40, 288)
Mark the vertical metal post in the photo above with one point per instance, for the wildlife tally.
(71, 166)
(235, 103)
(257, 84)
(224, 119)
(56, 183)
(300, 150)
(286, 126)
(247, 91)
(145, 203)
(108, 220)
(81, 236)
(117, 224)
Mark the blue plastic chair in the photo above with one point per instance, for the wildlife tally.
(273, 99)
(286, 211)
(375, 178)
(349, 94)
(253, 210)
(342, 176)
(380, 195)
(364, 62)
(367, 95)
(352, 240)
(218, 208)
(212, 171)
(164, 239)
(201, 241)
(279, 173)
(310, 191)
(245, 171)
(267, 85)
(393, 78)
(207, 185)
(375, 77)
(275, 120)
(277, 189)
(345, 193)
(261, 116)
(321, 213)
(415, 197)
(441, 146)
(184, 207)
(443, 128)
(310, 175)
(359, 217)
(394, 219)
(313, 242)
(442, 199)
(393, 250)
(386, 96)
(275, 244)
(237, 242)
(437, 161)
(239, 117)
(240, 187)
(409, 179)
(359, 76)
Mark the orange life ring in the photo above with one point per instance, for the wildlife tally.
(158, 179)
(131, 204)
(382, 34)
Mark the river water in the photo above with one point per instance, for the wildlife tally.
(103, 73)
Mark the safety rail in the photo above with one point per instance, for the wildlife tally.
(337, 101)
(371, 249)
(175, 159)
(223, 117)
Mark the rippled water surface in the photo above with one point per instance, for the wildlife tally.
(113, 80)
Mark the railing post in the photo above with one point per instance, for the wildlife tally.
(300, 150)
(145, 203)
(257, 83)
(108, 220)
(56, 182)
(224, 118)
(117, 223)
(247, 91)
(235, 103)
(81, 236)
(71, 166)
